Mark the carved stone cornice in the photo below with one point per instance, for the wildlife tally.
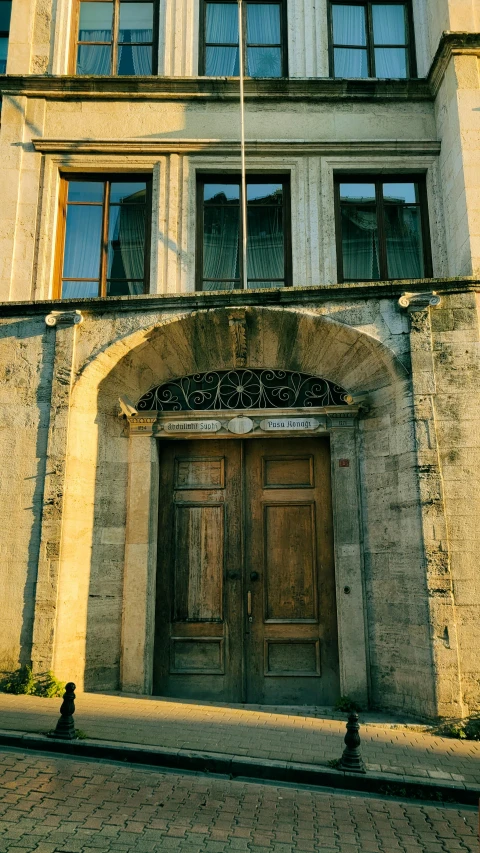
(237, 320)
(64, 318)
(419, 301)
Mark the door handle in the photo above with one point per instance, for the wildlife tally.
(254, 576)
(249, 605)
(233, 576)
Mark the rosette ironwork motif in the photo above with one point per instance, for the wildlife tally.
(243, 389)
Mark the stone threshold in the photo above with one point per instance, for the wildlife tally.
(248, 768)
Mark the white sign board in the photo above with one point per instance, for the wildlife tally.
(193, 426)
(288, 424)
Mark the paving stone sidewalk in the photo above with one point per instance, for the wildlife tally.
(312, 736)
(60, 805)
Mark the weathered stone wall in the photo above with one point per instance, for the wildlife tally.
(26, 359)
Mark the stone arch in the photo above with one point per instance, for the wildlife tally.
(91, 564)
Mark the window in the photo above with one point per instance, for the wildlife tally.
(219, 239)
(104, 236)
(5, 11)
(263, 39)
(382, 228)
(116, 37)
(371, 39)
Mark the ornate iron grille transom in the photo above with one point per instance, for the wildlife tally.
(243, 389)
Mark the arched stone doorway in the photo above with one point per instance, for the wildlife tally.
(127, 522)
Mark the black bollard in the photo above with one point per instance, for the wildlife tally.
(352, 760)
(65, 728)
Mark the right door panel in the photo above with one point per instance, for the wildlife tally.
(291, 630)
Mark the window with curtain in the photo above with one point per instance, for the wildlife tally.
(116, 37)
(371, 39)
(382, 228)
(5, 11)
(262, 38)
(219, 246)
(104, 237)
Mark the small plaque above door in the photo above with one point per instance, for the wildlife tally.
(193, 426)
(288, 424)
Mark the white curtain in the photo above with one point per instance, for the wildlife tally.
(93, 58)
(389, 28)
(360, 245)
(82, 242)
(130, 233)
(349, 25)
(263, 23)
(141, 54)
(222, 28)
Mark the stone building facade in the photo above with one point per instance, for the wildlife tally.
(127, 523)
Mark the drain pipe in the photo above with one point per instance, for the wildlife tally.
(242, 145)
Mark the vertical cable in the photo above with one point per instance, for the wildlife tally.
(242, 145)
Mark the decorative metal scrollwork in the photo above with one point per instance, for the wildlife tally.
(243, 389)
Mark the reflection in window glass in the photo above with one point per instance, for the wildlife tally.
(263, 47)
(222, 252)
(115, 37)
(117, 208)
(370, 39)
(5, 13)
(381, 231)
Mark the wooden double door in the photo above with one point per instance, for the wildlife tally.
(245, 608)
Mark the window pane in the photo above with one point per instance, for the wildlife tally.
(264, 62)
(127, 192)
(263, 23)
(134, 60)
(404, 241)
(264, 193)
(93, 59)
(349, 25)
(221, 242)
(91, 191)
(222, 23)
(136, 22)
(222, 62)
(256, 285)
(126, 241)
(360, 250)
(5, 12)
(3, 55)
(220, 285)
(407, 193)
(389, 24)
(390, 62)
(79, 289)
(349, 62)
(265, 252)
(221, 193)
(363, 192)
(95, 22)
(124, 288)
(82, 242)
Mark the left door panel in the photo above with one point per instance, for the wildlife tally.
(198, 641)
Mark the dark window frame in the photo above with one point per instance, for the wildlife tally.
(235, 178)
(107, 179)
(5, 34)
(283, 34)
(115, 43)
(378, 179)
(370, 46)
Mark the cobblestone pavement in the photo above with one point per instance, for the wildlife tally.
(60, 805)
(315, 736)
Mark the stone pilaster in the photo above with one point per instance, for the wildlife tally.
(64, 324)
(443, 625)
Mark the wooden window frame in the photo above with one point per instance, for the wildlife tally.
(114, 43)
(370, 46)
(235, 178)
(378, 179)
(283, 34)
(107, 179)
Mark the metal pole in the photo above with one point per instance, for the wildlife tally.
(242, 146)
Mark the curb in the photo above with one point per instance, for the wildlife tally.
(243, 767)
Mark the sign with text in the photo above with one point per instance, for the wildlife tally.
(193, 426)
(288, 424)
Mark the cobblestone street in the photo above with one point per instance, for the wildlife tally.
(59, 805)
